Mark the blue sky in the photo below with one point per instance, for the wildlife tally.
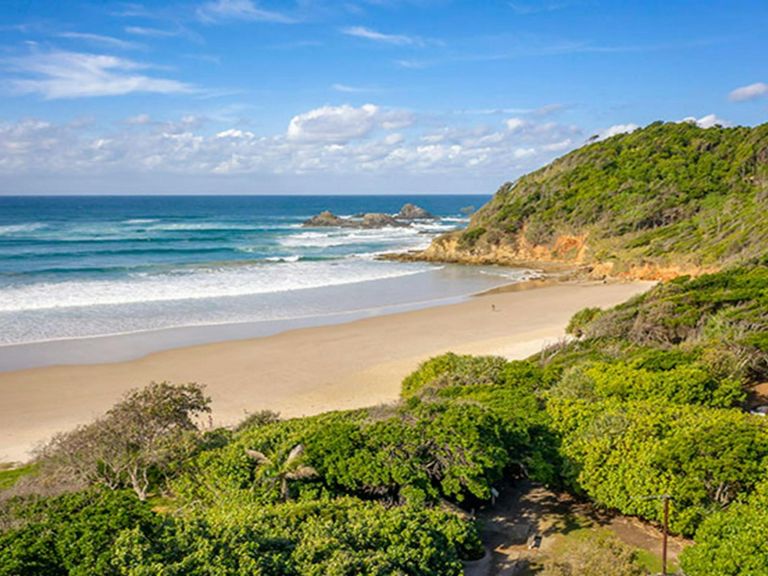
(376, 96)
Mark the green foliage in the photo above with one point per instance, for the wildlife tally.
(643, 402)
(469, 238)
(732, 542)
(682, 384)
(139, 440)
(671, 193)
(721, 318)
(453, 370)
(620, 453)
(580, 320)
(113, 533)
(338, 538)
(256, 419)
(425, 452)
(10, 474)
(71, 534)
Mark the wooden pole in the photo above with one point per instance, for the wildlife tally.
(666, 530)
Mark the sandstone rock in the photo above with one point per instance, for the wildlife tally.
(325, 218)
(368, 220)
(413, 212)
(379, 220)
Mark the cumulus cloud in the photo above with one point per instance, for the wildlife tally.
(707, 121)
(375, 36)
(239, 10)
(339, 124)
(515, 124)
(236, 134)
(616, 129)
(750, 92)
(59, 75)
(333, 123)
(343, 140)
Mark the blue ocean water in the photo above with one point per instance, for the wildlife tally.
(88, 266)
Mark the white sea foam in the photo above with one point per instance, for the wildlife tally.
(455, 219)
(202, 226)
(21, 228)
(140, 221)
(199, 283)
(436, 227)
(292, 258)
(518, 275)
(343, 237)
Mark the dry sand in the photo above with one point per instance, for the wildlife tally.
(302, 371)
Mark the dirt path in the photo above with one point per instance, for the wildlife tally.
(528, 510)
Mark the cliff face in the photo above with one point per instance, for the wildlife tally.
(666, 200)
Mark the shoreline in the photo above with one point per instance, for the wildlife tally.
(306, 370)
(260, 315)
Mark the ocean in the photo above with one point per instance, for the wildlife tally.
(82, 267)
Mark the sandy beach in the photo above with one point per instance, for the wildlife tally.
(303, 371)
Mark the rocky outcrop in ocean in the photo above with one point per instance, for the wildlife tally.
(413, 212)
(407, 214)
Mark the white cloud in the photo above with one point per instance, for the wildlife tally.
(616, 129)
(412, 64)
(515, 124)
(351, 89)
(139, 120)
(108, 41)
(151, 32)
(549, 109)
(558, 146)
(369, 34)
(395, 119)
(59, 75)
(707, 121)
(236, 134)
(341, 140)
(750, 92)
(333, 124)
(240, 10)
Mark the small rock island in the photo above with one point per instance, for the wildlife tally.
(408, 213)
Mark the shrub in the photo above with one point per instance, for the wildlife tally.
(732, 542)
(469, 238)
(72, 534)
(453, 370)
(140, 438)
(579, 321)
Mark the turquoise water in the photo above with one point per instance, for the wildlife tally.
(73, 267)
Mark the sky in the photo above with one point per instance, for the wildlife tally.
(355, 96)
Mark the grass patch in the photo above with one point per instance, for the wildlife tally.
(10, 473)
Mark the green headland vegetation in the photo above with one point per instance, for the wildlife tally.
(667, 199)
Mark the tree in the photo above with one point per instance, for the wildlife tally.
(281, 473)
(142, 435)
